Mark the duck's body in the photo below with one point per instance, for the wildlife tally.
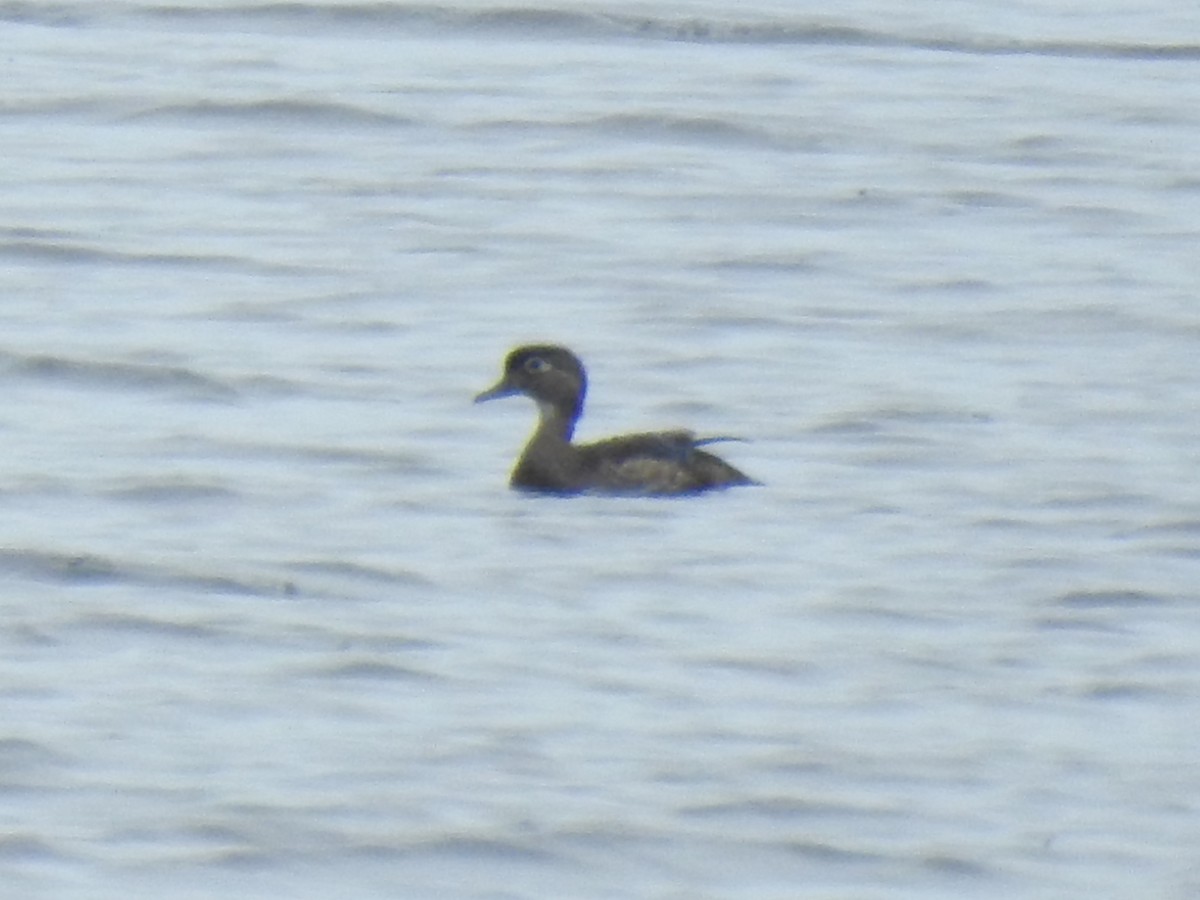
(663, 462)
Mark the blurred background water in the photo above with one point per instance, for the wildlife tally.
(275, 627)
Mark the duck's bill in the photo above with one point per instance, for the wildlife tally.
(502, 389)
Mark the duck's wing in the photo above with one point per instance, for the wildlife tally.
(658, 462)
(674, 446)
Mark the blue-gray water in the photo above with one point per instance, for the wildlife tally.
(274, 627)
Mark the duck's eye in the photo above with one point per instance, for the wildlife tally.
(535, 365)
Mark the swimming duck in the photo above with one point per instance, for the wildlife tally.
(661, 462)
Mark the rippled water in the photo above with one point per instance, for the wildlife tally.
(275, 627)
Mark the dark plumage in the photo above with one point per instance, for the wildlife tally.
(662, 462)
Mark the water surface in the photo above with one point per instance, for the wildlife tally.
(274, 625)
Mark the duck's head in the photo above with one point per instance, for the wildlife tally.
(552, 376)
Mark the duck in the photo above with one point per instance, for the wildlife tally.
(660, 463)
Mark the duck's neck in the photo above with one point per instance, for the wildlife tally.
(555, 425)
(549, 462)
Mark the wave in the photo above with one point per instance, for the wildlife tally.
(358, 572)
(37, 249)
(368, 670)
(171, 492)
(45, 367)
(274, 112)
(652, 127)
(143, 376)
(699, 129)
(89, 569)
(1110, 598)
(560, 23)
